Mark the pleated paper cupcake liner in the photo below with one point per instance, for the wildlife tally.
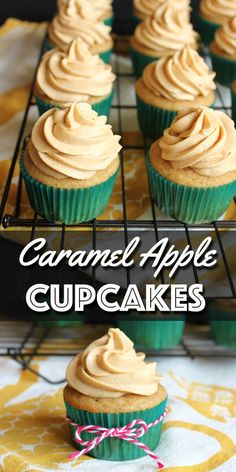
(153, 120)
(102, 108)
(223, 325)
(225, 69)
(105, 56)
(109, 21)
(189, 204)
(116, 449)
(140, 61)
(69, 206)
(154, 334)
(233, 98)
(206, 29)
(135, 21)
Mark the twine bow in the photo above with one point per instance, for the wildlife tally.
(130, 432)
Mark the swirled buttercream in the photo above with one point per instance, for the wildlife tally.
(166, 30)
(144, 8)
(93, 10)
(73, 142)
(225, 37)
(183, 76)
(218, 11)
(110, 367)
(73, 76)
(203, 140)
(66, 26)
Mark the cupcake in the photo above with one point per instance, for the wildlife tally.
(213, 14)
(169, 85)
(222, 315)
(98, 10)
(109, 385)
(192, 167)
(163, 33)
(144, 8)
(67, 25)
(75, 75)
(70, 164)
(233, 99)
(223, 52)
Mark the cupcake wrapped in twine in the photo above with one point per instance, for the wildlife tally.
(130, 432)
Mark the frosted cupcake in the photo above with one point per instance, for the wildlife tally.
(97, 10)
(74, 76)
(192, 167)
(110, 385)
(68, 25)
(144, 8)
(70, 164)
(223, 52)
(169, 85)
(163, 33)
(213, 14)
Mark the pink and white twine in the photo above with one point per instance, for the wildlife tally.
(130, 432)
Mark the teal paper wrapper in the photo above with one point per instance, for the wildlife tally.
(189, 204)
(135, 21)
(224, 332)
(140, 61)
(102, 108)
(108, 21)
(105, 56)
(153, 120)
(154, 334)
(116, 449)
(206, 30)
(225, 69)
(233, 97)
(69, 206)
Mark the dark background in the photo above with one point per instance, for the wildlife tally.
(44, 10)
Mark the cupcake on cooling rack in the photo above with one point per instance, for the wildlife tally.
(144, 8)
(213, 14)
(68, 25)
(222, 317)
(70, 164)
(109, 385)
(223, 52)
(163, 33)
(169, 85)
(98, 10)
(75, 75)
(192, 167)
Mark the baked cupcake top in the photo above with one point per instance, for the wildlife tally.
(74, 142)
(166, 31)
(73, 76)
(67, 25)
(110, 367)
(93, 10)
(218, 11)
(144, 8)
(225, 37)
(183, 76)
(203, 140)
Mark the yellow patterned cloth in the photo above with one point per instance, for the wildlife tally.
(199, 432)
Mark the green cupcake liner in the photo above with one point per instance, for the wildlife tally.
(105, 56)
(69, 206)
(206, 29)
(109, 21)
(135, 22)
(224, 333)
(189, 204)
(153, 120)
(233, 98)
(102, 108)
(154, 334)
(140, 61)
(225, 69)
(116, 449)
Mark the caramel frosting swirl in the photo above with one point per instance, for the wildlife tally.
(166, 30)
(203, 140)
(88, 9)
(110, 367)
(145, 8)
(67, 26)
(73, 142)
(183, 76)
(218, 11)
(75, 75)
(225, 37)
